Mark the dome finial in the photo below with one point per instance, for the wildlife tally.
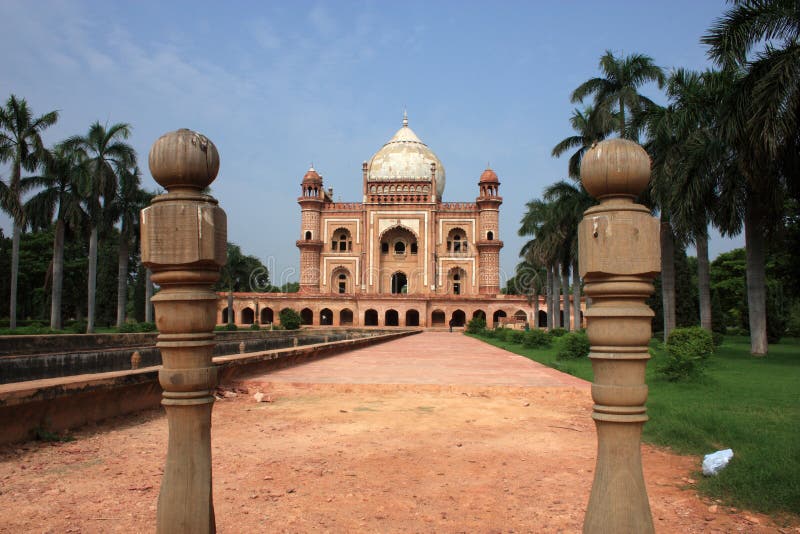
(405, 117)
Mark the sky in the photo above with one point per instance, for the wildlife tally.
(279, 85)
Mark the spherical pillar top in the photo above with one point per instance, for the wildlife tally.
(615, 168)
(184, 159)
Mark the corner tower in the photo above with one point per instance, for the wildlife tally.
(488, 238)
(310, 242)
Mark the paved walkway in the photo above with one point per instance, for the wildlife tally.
(439, 358)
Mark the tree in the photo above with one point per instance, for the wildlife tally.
(106, 157)
(21, 143)
(569, 203)
(618, 90)
(762, 116)
(60, 197)
(128, 202)
(591, 125)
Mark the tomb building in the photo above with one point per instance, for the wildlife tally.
(400, 257)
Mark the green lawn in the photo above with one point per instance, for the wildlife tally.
(747, 404)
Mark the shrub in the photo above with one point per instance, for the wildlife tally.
(516, 336)
(290, 319)
(476, 325)
(573, 346)
(507, 334)
(78, 327)
(255, 326)
(557, 332)
(231, 327)
(687, 350)
(536, 339)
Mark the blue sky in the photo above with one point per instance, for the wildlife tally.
(278, 85)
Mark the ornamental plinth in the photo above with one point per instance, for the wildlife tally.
(184, 236)
(619, 258)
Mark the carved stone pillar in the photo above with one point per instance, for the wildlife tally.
(619, 257)
(184, 234)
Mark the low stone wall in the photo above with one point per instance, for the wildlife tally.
(94, 358)
(58, 404)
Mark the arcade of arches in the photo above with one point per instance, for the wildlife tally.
(402, 311)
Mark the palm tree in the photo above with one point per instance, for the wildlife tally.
(528, 278)
(618, 90)
(61, 197)
(569, 202)
(21, 143)
(128, 202)
(591, 125)
(106, 156)
(762, 124)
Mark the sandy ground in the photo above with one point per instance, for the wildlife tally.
(333, 457)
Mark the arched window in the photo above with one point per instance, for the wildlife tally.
(457, 241)
(490, 236)
(341, 240)
(457, 279)
(384, 247)
(399, 283)
(308, 235)
(399, 247)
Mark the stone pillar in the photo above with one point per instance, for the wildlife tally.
(184, 236)
(619, 258)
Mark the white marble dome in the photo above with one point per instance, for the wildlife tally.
(405, 157)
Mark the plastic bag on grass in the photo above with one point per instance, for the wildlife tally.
(716, 461)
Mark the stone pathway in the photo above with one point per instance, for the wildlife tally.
(435, 358)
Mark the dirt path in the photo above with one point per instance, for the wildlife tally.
(360, 457)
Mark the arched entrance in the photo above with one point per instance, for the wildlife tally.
(437, 318)
(346, 317)
(391, 318)
(399, 283)
(224, 316)
(412, 318)
(542, 318)
(248, 316)
(497, 316)
(370, 318)
(306, 316)
(326, 317)
(520, 316)
(267, 316)
(479, 314)
(458, 318)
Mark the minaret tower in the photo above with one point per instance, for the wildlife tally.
(310, 242)
(488, 238)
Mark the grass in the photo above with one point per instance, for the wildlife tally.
(44, 330)
(751, 405)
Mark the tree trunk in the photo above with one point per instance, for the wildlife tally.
(576, 295)
(535, 310)
(756, 280)
(549, 297)
(230, 307)
(148, 295)
(58, 276)
(703, 282)
(565, 293)
(12, 306)
(122, 280)
(92, 287)
(667, 278)
(556, 297)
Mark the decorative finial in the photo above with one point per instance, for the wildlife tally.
(405, 118)
(311, 168)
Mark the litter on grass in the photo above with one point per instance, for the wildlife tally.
(716, 461)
